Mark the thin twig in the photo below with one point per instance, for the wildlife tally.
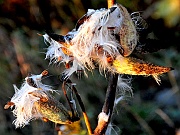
(140, 120)
(165, 117)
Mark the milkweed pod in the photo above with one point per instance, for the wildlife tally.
(34, 101)
(133, 66)
(51, 109)
(128, 34)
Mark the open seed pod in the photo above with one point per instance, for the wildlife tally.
(50, 108)
(34, 100)
(128, 34)
(107, 38)
(133, 66)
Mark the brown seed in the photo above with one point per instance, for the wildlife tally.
(45, 72)
(44, 99)
(45, 119)
(109, 59)
(9, 104)
(67, 65)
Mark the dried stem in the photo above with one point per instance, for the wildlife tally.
(82, 108)
(65, 94)
(105, 115)
(110, 3)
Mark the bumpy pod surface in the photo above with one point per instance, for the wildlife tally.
(51, 109)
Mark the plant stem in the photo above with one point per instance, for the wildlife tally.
(69, 103)
(105, 115)
(82, 108)
(110, 3)
(110, 94)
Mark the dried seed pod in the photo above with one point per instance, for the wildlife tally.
(34, 101)
(133, 66)
(128, 33)
(51, 109)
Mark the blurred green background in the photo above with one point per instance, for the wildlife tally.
(152, 110)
